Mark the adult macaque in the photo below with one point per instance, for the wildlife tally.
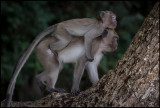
(64, 32)
(73, 53)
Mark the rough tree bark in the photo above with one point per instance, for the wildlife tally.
(133, 82)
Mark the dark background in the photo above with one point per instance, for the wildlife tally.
(22, 21)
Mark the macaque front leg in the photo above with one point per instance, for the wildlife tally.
(92, 72)
(88, 47)
(78, 72)
(88, 38)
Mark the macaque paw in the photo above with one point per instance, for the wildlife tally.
(58, 90)
(75, 92)
(90, 59)
(54, 52)
(52, 49)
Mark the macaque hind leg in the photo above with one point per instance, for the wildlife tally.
(58, 45)
(47, 79)
(52, 76)
(63, 41)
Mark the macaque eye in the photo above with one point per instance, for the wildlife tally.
(114, 17)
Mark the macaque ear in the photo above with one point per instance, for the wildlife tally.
(102, 15)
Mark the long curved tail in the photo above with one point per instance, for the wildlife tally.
(22, 60)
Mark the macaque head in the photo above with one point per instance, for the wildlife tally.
(109, 40)
(108, 19)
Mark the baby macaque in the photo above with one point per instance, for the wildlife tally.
(87, 27)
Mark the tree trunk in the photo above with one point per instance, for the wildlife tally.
(133, 82)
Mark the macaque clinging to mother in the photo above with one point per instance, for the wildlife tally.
(87, 27)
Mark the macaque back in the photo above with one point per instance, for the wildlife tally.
(70, 54)
(78, 27)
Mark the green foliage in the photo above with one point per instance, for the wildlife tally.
(22, 21)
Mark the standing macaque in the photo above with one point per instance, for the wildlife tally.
(73, 53)
(65, 32)
(89, 28)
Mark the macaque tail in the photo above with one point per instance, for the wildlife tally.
(21, 61)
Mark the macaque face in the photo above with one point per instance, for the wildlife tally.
(109, 19)
(109, 41)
